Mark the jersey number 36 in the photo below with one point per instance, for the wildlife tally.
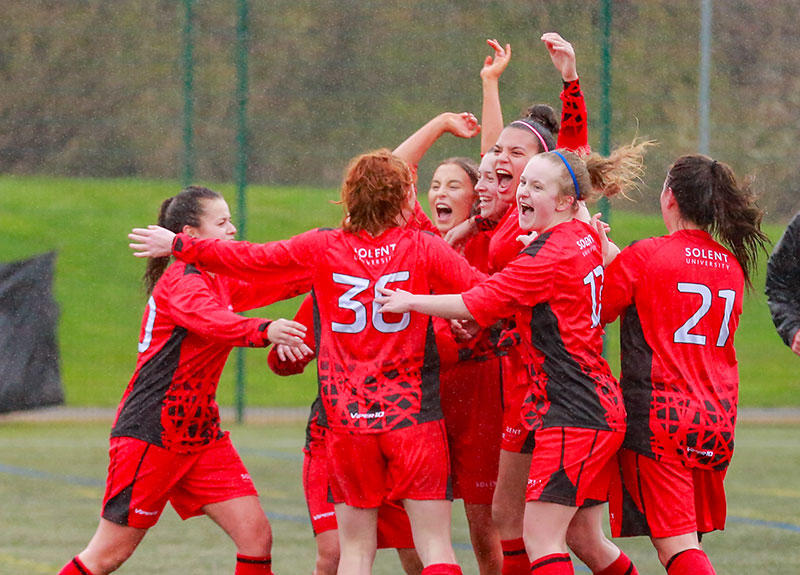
(359, 285)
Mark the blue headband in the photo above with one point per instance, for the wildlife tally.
(571, 173)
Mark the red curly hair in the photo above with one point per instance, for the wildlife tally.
(375, 191)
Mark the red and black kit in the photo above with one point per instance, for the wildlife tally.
(188, 330)
(377, 372)
(679, 370)
(553, 291)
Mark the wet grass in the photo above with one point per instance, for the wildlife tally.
(52, 476)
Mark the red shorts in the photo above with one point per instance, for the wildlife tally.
(394, 528)
(408, 463)
(664, 499)
(142, 477)
(573, 466)
(473, 412)
(516, 437)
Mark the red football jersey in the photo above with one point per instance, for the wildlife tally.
(574, 132)
(553, 291)
(376, 371)
(503, 244)
(574, 136)
(680, 298)
(188, 330)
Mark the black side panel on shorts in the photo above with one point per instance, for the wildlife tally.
(322, 418)
(572, 393)
(117, 508)
(634, 521)
(140, 417)
(636, 381)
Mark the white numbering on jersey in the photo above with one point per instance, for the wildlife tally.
(148, 328)
(596, 287)
(683, 334)
(359, 285)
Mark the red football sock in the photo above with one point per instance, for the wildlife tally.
(75, 567)
(553, 564)
(690, 562)
(246, 565)
(515, 558)
(442, 569)
(621, 566)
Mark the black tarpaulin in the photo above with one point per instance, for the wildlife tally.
(29, 372)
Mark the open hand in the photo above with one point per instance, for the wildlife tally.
(493, 67)
(151, 242)
(287, 332)
(562, 54)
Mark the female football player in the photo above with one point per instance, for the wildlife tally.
(679, 297)
(378, 372)
(166, 441)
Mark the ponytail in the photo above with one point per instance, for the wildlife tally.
(589, 177)
(184, 209)
(708, 195)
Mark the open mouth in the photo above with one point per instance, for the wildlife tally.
(524, 209)
(504, 178)
(443, 211)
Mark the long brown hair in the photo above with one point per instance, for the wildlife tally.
(183, 209)
(708, 194)
(374, 192)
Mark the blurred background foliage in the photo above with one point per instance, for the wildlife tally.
(95, 88)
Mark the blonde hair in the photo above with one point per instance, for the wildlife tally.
(596, 175)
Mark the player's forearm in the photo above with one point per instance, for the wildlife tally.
(449, 306)
(417, 144)
(491, 115)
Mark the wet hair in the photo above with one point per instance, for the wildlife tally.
(708, 195)
(465, 164)
(183, 209)
(589, 177)
(374, 192)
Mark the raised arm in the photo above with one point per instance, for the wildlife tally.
(574, 132)
(562, 54)
(491, 111)
(463, 125)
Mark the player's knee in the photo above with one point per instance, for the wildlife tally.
(327, 562)
(327, 554)
(576, 538)
(109, 561)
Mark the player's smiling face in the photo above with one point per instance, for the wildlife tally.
(450, 196)
(513, 149)
(215, 221)
(489, 203)
(540, 203)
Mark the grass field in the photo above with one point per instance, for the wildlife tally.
(98, 289)
(52, 474)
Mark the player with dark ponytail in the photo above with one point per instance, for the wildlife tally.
(166, 442)
(679, 297)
